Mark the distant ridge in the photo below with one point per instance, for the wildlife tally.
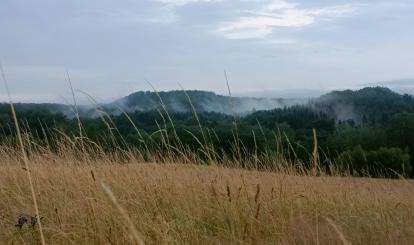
(203, 101)
(370, 103)
(402, 86)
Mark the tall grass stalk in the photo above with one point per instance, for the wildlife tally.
(24, 154)
(134, 232)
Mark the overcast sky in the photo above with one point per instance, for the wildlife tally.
(111, 48)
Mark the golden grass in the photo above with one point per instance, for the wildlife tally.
(190, 204)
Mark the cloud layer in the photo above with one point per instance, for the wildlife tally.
(278, 14)
(111, 47)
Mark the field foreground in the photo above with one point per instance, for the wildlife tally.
(188, 204)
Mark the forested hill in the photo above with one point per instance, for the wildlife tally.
(368, 105)
(174, 101)
(203, 101)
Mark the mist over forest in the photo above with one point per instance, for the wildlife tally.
(369, 129)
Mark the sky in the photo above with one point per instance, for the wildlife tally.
(112, 48)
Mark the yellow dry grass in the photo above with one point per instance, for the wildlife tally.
(190, 204)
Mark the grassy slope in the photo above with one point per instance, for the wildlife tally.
(188, 204)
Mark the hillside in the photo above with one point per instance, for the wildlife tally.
(174, 101)
(370, 104)
(203, 101)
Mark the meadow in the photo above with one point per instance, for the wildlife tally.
(118, 198)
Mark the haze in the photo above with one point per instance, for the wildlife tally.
(111, 48)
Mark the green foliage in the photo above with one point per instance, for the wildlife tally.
(384, 161)
(364, 106)
(346, 137)
(400, 130)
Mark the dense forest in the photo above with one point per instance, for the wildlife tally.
(369, 131)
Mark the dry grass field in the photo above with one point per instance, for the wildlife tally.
(193, 204)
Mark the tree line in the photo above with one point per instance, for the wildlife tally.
(369, 131)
